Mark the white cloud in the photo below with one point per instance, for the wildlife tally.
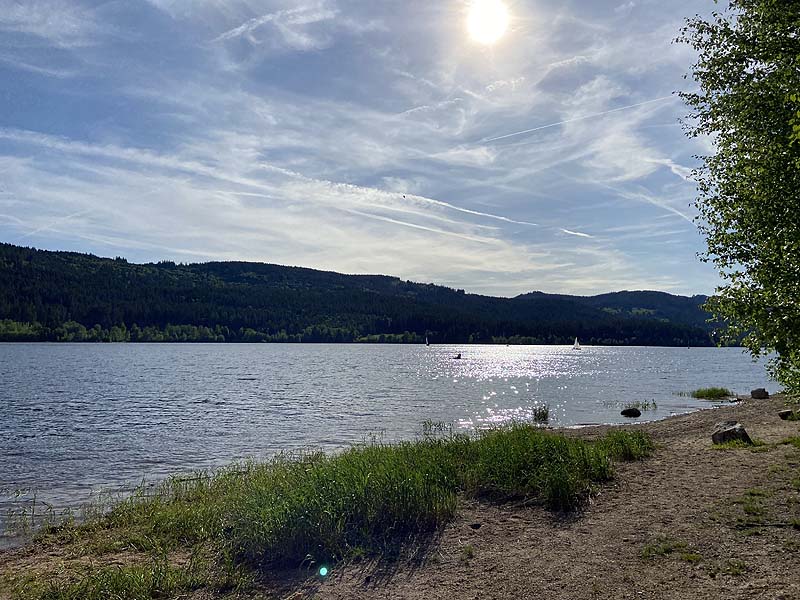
(576, 233)
(54, 22)
(246, 154)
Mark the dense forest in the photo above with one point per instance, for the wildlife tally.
(65, 296)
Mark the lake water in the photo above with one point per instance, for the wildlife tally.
(77, 419)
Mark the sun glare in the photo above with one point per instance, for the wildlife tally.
(487, 20)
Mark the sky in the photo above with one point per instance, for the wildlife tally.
(374, 136)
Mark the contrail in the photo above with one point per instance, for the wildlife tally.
(53, 223)
(600, 114)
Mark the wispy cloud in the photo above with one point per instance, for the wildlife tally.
(291, 133)
(576, 119)
(285, 20)
(576, 233)
(56, 22)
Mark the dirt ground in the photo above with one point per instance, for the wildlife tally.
(690, 522)
(689, 497)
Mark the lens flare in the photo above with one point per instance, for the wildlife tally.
(323, 571)
(487, 21)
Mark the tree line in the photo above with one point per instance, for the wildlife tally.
(71, 297)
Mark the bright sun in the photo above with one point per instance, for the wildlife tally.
(487, 20)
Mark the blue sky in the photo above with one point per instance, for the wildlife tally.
(357, 136)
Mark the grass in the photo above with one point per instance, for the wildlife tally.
(642, 405)
(313, 508)
(541, 414)
(691, 557)
(792, 441)
(156, 579)
(626, 445)
(662, 546)
(733, 567)
(712, 393)
(665, 546)
(753, 506)
(740, 444)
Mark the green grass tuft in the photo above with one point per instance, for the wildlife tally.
(740, 444)
(712, 393)
(627, 445)
(792, 441)
(642, 405)
(156, 579)
(662, 546)
(691, 557)
(541, 414)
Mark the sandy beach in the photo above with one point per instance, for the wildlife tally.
(688, 495)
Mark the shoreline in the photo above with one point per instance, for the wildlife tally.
(124, 490)
(690, 522)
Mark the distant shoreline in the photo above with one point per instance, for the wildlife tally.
(356, 343)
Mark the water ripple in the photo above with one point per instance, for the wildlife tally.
(78, 418)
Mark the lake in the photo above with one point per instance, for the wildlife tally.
(76, 419)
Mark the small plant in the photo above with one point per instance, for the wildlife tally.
(735, 568)
(467, 553)
(662, 546)
(739, 444)
(627, 445)
(432, 428)
(712, 393)
(691, 557)
(752, 505)
(732, 567)
(541, 414)
(792, 441)
(642, 405)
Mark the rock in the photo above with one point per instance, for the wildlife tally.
(786, 414)
(631, 413)
(730, 431)
(759, 394)
(475, 525)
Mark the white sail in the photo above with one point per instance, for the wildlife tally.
(576, 345)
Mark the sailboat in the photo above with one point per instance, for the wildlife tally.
(576, 345)
(427, 343)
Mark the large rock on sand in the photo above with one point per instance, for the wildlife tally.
(759, 394)
(786, 414)
(730, 431)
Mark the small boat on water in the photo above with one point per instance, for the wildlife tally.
(457, 356)
(427, 343)
(576, 345)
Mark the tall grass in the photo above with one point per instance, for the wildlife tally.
(373, 498)
(712, 393)
(155, 579)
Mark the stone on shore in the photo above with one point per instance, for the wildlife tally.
(730, 431)
(631, 413)
(786, 414)
(759, 394)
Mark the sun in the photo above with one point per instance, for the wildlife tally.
(487, 21)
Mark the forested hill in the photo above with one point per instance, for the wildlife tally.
(63, 296)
